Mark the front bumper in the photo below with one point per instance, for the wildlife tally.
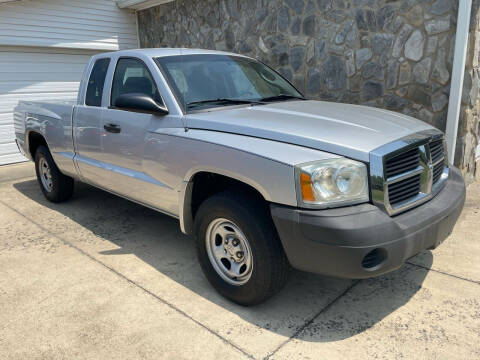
(362, 241)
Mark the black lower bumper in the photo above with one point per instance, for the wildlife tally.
(362, 241)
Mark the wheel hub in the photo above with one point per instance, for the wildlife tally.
(233, 249)
(45, 174)
(229, 251)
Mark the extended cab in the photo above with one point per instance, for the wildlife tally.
(264, 178)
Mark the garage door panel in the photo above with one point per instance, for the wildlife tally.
(9, 148)
(7, 134)
(41, 68)
(35, 74)
(5, 118)
(56, 66)
(11, 100)
(26, 87)
(11, 158)
(27, 57)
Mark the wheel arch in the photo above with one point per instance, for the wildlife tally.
(203, 183)
(34, 139)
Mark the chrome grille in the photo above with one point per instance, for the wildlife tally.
(437, 172)
(402, 163)
(408, 172)
(404, 190)
(436, 150)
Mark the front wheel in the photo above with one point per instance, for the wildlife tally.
(55, 186)
(239, 249)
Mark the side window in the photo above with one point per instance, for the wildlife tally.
(96, 82)
(132, 76)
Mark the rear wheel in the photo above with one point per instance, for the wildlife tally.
(55, 186)
(238, 248)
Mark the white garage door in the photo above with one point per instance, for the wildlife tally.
(34, 74)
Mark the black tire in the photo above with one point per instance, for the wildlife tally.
(270, 265)
(61, 185)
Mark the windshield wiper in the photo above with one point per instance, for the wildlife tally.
(281, 97)
(245, 101)
(223, 100)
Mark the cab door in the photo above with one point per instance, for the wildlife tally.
(88, 125)
(126, 137)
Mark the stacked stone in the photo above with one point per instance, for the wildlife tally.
(468, 149)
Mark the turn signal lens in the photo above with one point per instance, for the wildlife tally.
(306, 185)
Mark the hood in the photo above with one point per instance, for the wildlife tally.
(343, 129)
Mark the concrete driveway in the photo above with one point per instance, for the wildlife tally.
(100, 277)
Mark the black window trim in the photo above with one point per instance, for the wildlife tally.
(169, 84)
(283, 77)
(88, 81)
(111, 106)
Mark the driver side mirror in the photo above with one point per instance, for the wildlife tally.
(138, 102)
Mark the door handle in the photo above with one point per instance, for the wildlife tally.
(113, 128)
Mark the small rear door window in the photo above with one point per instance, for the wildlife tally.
(96, 82)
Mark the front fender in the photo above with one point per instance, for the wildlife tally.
(265, 165)
(228, 172)
(186, 191)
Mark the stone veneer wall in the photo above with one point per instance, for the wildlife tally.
(384, 53)
(469, 126)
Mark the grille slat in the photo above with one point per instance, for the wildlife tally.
(410, 192)
(402, 168)
(402, 163)
(400, 199)
(402, 183)
(436, 150)
(437, 172)
(437, 154)
(404, 189)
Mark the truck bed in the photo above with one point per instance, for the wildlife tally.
(53, 120)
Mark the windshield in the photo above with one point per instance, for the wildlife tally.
(209, 80)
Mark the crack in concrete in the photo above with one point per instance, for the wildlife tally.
(443, 272)
(310, 322)
(145, 290)
(330, 304)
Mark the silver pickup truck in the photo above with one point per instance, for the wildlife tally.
(264, 178)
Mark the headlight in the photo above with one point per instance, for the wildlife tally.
(332, 182)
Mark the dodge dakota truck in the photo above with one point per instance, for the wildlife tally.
(264, 178)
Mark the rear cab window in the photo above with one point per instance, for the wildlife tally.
(96, 82)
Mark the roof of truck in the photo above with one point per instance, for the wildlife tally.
(161, 52)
